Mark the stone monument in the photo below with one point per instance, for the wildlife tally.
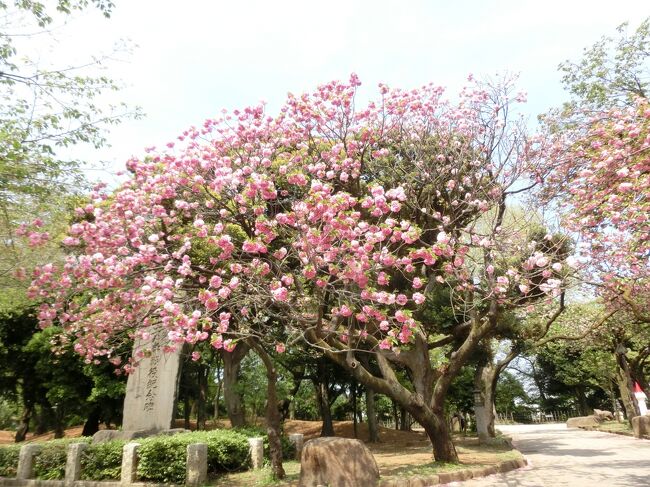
(150, 391)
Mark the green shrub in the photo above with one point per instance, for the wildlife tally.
(163, 458)
(9, 460)
(102, 461)
(49, 464)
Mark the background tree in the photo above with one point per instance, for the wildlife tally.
(600, 173)
(611, 74)
(44, 110)
(31, 375)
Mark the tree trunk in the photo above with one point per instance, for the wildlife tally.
(403, 420)
(353, 390)
(583, 407)
(216, 401)
(23, 427)
(292, 410)
(395, 414)
(273, 418)
(625, 385)
(231, 365)
(321, 384)
(485, 379)
(59, 431)
(322, 398)
(203, 372)
(42, 419)
(186, 412)
(287, 406)
(91, 426)
(373, 430)
(435, 425)
(428, 411)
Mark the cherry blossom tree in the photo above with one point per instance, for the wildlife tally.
(602, 183)
(327, 226)
(600, 172)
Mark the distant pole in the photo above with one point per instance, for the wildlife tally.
(641, 399)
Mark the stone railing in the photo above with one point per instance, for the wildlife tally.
(196, 466)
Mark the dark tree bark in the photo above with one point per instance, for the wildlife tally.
(273, 418)
(371, 412)
(23, 427)
(395, 414)
(91, 426)
(353, 391)
(373, 430)
(217, 395)
(322, 398)
(42, 419)
(203, 373)
(231, 365)
(581, 396)
(404, 420)
(321, 386)
(626, 384)
(287, 406)
(59, 431)
(186, 413)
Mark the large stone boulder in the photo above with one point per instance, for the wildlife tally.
(603, 415)
(337, 462)
(583, 422)
(641, 426)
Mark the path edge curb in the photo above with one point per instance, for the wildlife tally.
(620, 433)
(457, 475)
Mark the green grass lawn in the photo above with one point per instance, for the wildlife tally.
(410, 464)
(616, 426)
(258, 478)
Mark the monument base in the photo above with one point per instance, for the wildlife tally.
(108, 435)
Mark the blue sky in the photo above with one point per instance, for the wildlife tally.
(197, 57)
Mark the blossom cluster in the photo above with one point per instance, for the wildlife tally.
(325, 216)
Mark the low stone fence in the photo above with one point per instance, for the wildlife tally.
(444, 478)
(196, 466)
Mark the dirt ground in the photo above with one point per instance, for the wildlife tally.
(398, 448)
(8, 436)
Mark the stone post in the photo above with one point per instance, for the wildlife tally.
(297, 439)
(257, 452)
(641, 426)
(129, 463)
(196, 472)
(26, 461)
(73, 462)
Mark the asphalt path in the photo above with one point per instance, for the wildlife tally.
(559, 456)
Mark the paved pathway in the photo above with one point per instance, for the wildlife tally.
(558, 456)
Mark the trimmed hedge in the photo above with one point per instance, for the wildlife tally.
(102, 461)
(9, 460)
(49, 464)
(162, 458)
